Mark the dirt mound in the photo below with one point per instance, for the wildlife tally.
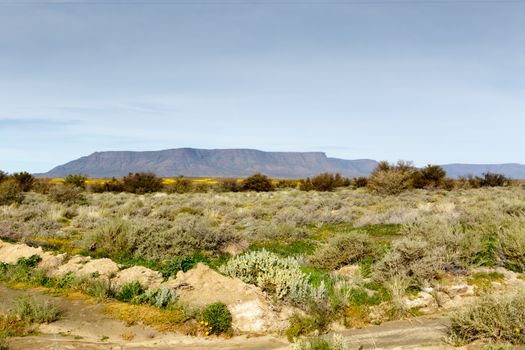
(83, 266)
(146, 277)
(10, 253)
(251, 310)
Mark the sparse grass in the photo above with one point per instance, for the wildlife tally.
(33, 310)
(164, 320)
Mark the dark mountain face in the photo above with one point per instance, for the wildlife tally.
(241, 163)
(212, 163)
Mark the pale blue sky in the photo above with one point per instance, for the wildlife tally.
(433, 82)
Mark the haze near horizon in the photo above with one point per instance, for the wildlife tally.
(429, 81)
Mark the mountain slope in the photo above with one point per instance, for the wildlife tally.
(213, 163)
(241, 163)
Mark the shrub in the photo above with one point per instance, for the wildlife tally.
(112, 185)
(181, 185)
(390, 179)
(12, 326)
(494, 180)
(43, 186)
(335, 342)
(160, 297)
(218, 317)
(324, 182)
(512, 246)
(359, 182)
(430, 176)
(3, 175)
(257, 182)
(141, 183)
(281, 277)
(76, 180)
(343, 249)
(66, 194)
(497, 318)
(130, 292)
(299, 326)
(10, 193)
(110, 238)
(415, 259)
(229, 185)
(24, 180)
(35, 310)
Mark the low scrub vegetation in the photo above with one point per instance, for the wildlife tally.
(287, 241)
(495, 318)
(217, 318)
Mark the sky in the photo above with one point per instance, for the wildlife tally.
(432, 81)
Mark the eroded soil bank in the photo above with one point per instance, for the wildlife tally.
(84, 326)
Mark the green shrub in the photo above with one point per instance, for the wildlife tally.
(163, 297)
(141, 183)
(257, 182)
(496, 318)
(76, 180)
(31, 309)
(24, 180)
(299, 326)
(130, 292)
(343, 249)
(218, 317)
(10, 192)
(66, 194)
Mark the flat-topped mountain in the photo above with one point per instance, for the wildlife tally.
(211, 163)
(194, 162)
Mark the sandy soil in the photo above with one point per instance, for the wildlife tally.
(82, 326)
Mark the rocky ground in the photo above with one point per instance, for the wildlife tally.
(85, 326)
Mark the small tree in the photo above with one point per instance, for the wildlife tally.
(140, 183)
(77, 180)
(24, 180)
(257, 182)
(429, 176)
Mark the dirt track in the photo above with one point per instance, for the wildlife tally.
(83, 325)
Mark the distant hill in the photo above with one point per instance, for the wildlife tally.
(211, 163)
(241, 163)
(512, 170)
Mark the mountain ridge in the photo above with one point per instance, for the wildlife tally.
(242, 162)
